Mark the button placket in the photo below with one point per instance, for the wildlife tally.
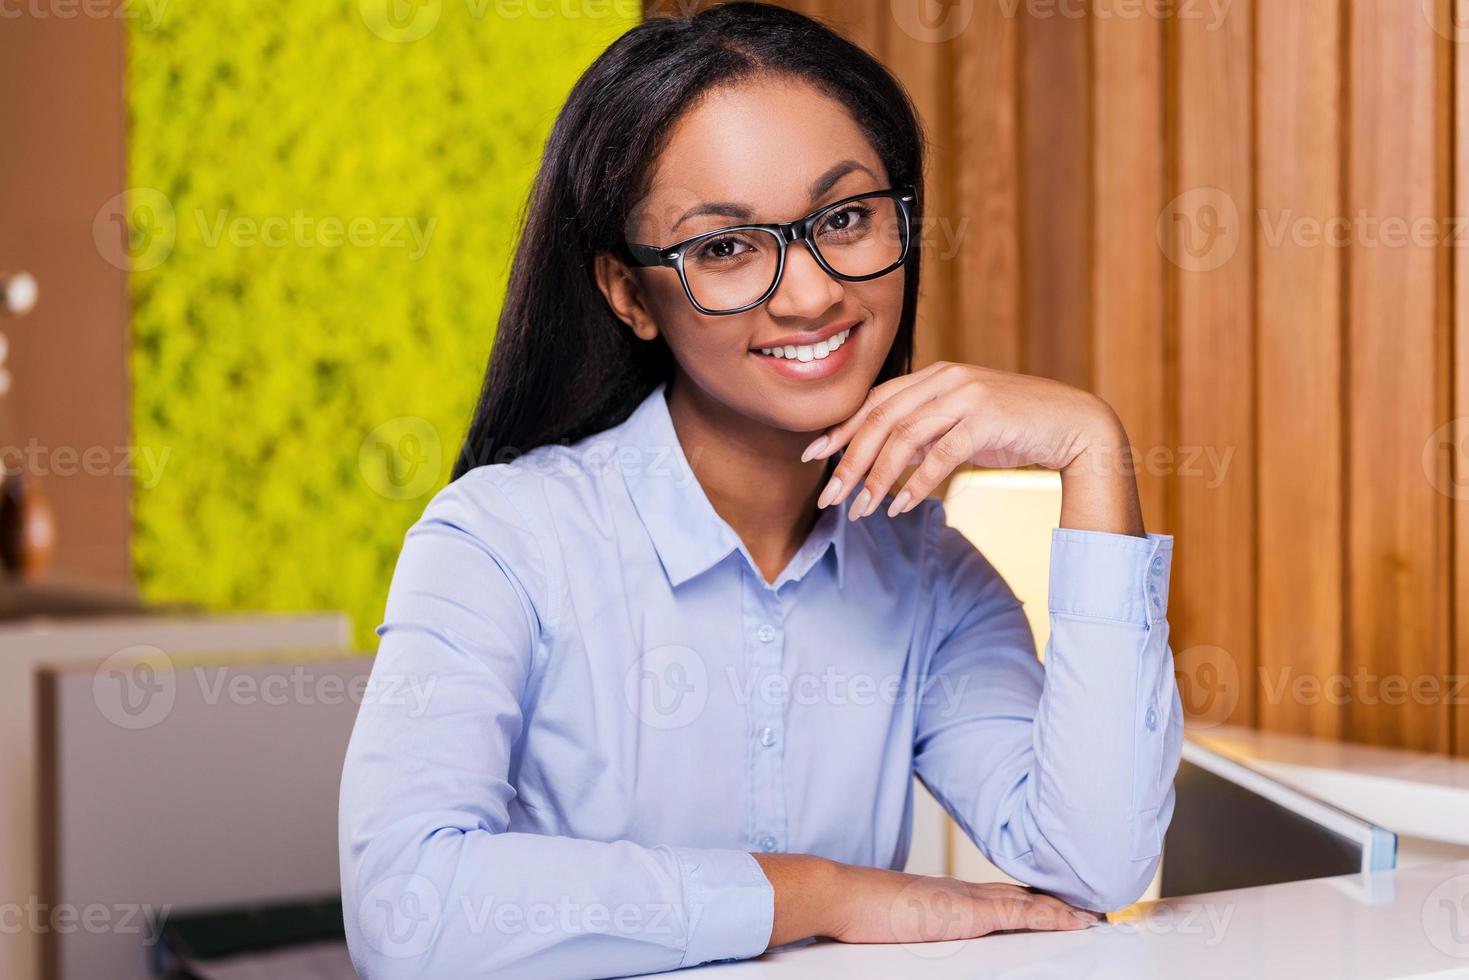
(764, 644)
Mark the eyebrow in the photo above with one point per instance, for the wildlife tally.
(740, 212)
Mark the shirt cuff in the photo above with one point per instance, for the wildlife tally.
(730, 903)
(1102, 575)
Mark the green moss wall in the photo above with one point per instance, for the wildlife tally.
(324, 197)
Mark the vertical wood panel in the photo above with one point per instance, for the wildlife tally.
(988, 194)
(1300, 394)
(1056, 196)
(1212, 249)
(1397, 521)
(1452, 450)
(921, 52)
(1128, 278)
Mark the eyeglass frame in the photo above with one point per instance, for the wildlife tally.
(786, 233)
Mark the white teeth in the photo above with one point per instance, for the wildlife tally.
(809, 352)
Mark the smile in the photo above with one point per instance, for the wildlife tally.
(809, 352)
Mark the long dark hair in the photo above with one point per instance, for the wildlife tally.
(563, 366)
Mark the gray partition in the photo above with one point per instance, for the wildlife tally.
(1236, 827)
(220, 791)
(26, 643)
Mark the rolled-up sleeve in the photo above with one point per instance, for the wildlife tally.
(1062, 775)
(433, 881)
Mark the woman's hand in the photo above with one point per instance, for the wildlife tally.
(893, 907)
(816, 897)
(949, 414)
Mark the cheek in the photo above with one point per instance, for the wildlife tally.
(882, 301)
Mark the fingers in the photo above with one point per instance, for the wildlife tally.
(863, 446)
(837, 436)
(1039, 913)
(937, 434)
(913, 440)
(952, 450)
(1007, 907)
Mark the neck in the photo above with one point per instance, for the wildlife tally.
(751, 473)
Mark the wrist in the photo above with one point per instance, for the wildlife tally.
(836, 890)
(1102, 445)
(809, 899)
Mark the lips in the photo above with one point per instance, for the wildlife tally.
(822, 354)
(809, 352)
(807, 336)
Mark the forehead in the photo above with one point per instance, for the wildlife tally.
(761, 143)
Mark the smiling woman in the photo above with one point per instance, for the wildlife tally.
(660, 527)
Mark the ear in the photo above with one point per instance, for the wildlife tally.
(624, 295)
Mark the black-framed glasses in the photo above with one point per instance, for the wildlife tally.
(734, 269)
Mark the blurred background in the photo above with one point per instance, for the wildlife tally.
(252, 262)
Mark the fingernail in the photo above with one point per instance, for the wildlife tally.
(899, 502)
(859, 505)
(815, 449)
(1086, 917)
(833, 489)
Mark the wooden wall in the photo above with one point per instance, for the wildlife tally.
(1236, 221)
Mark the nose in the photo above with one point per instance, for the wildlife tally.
(805, 290)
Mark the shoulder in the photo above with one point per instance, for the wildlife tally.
(516, 516)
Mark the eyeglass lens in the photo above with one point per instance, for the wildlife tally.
(735, 268)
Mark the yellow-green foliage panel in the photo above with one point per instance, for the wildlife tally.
(305, 380)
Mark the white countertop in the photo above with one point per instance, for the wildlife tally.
(1411, 922)
(1416, 794)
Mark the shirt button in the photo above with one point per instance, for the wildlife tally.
(1151, 721)
(1158, 565)
(767, 737)
(766, 633)
(767, 845)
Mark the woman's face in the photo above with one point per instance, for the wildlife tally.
(765, 151)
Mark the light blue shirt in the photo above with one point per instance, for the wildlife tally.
(588, 708)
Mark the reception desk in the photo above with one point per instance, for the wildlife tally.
(1411, 922)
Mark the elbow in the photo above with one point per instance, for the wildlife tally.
(1103, 871)
(1118, 884)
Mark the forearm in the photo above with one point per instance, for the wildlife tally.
(475, 903)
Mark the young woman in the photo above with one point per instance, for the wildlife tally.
(686, 632)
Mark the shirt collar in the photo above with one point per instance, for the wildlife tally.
(688, 534)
